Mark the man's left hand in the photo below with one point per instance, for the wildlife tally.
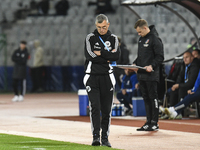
(149, 68)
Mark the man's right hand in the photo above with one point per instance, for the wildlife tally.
(190, 92)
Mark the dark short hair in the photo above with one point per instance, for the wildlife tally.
(198, 51)
(141, 23)
(23, 42)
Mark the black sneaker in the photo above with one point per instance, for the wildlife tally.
(153, 127)
(144, 127)
(96, 141)
(105, 142)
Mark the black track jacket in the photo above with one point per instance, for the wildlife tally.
(99, 64)
(20, 58)
(150, 52)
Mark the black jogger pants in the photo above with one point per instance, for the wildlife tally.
(100, 89)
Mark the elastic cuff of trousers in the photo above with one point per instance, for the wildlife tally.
(96, 135)
(103, 134)
(153, 122)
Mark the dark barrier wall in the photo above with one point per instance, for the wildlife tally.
(68, 78)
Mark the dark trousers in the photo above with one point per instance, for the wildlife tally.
(177, 95)
(150, 96)
(100, 90)
(127, 98)
(119, 73)
(37, 79)
(22, 84)
(187, 100)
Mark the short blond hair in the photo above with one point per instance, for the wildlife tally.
(140, 23)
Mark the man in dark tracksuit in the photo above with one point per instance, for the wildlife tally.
(185, 80)
(150, 56)
(20, 57)
(99, 79)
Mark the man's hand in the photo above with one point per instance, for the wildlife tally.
(174, 87)
(98, 53)
(190, 92)
(114, 50)
(137, 86)
(149, 68)
(124, 91)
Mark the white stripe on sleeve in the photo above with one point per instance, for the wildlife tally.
(88, 46)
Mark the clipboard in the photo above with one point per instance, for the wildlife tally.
(130, 67)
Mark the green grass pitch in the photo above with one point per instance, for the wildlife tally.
(15, 142)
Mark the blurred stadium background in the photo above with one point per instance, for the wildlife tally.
(62, 37)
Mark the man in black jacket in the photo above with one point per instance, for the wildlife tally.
(185, 80)
(101, 47)
(20, 57)
(150, 56)
(196, 55)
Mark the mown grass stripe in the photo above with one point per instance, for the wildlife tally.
(15, 142)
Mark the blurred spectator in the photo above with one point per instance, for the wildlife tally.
(123, 60)
(103, 6)
(22, 11)
(129, 88)
(196, 55)
(62, 7)
(43, 7)
(192, 44)
(20, 57)
(38, 68)
(193, 95)
(33, 4)
(185, 79)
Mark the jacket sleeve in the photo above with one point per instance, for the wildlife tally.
(15, 58)
(112, 56)
(197, 83)
(38, 57)
(23, 60)
(158, 52)
(180, 77)
(135, 61)
(123, 86)
(192, 76)
(134, 81)
(89, 54)
(125, 56)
